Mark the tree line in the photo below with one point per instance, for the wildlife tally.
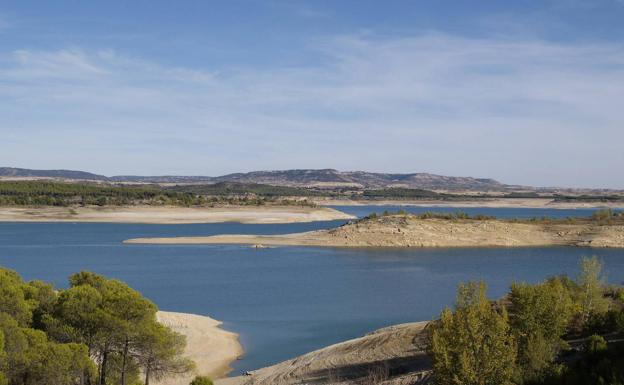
(559, 332)
(46, 193)
(98, 331)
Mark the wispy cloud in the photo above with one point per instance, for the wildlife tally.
(528, 111)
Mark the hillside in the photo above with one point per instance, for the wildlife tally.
(12, 172)
(328, 178)
(390, 356)
(362, 179)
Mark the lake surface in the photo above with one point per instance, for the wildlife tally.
(283, 301)
(499, 212)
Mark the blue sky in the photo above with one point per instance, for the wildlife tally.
(527, 92)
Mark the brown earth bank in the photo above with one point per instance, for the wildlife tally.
(171, 214)
(413, 231)
(390, 356)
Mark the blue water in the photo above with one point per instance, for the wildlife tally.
(283, 301)
(506, 212)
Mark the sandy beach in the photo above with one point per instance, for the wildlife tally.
(212, 348)
(411, 231)
(171, 215)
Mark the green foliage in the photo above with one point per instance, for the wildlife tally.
(42, 193)
(620, 295)
(12, 299)
(591, 289)
(201, 380)
(600, 364)
(161, 351)
(233, 188)
(522, 194)
(33, 359)
(58, 337)
(38, 193)
(588, 198)
(607, 216)
(454, 216)
(539, 317)
(399, 192)
(595, 344)
(473, 344)
(41, 298)
(3, 360)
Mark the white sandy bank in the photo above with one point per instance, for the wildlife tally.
(171, 215)
(212, 348)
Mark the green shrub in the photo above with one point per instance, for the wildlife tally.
(201, 380)
(595, 344)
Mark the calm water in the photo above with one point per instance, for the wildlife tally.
(511, 212)
(283, 301)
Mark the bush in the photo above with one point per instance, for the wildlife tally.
(595, 344)
(473, 344)
(201, 380)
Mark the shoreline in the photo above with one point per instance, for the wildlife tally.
(400, 348)
(520, 203)
(212, 348)
(172, 215)
(411, 231)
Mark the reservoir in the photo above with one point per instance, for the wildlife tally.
(286, 301)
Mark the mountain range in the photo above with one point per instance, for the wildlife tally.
(323, 178)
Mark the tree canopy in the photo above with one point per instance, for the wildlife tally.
(523, 338)
(93, 332)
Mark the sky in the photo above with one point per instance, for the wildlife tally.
(526, 92)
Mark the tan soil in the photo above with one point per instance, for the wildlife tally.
(411, 231)
(397, 349)
(171, 215)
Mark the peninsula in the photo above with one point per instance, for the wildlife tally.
(437, 230)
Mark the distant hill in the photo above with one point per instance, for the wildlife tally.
(325, 178)
(54, 174)
(362, 179)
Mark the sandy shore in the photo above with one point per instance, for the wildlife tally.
(371, 359)
(411, 231)
(171, 215)
(544, 203)
(212, 348)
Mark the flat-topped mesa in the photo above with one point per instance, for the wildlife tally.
(437, 230)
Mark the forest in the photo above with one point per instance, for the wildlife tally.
(47, 193)
(98, 331)
(53, 193)
(559, 332)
